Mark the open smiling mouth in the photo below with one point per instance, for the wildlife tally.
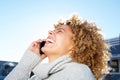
(49, 41)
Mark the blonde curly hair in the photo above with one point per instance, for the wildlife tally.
(90, 46)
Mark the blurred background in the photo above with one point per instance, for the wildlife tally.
(23, 21)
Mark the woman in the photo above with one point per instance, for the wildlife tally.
(75, 50)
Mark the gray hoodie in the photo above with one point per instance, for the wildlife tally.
(62, 68)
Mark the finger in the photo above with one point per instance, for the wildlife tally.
(39, 40)
(34, 44)
(44, 40)
(43, 56)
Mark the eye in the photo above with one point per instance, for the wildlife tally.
(58, 30)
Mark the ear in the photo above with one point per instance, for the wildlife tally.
(71, 50)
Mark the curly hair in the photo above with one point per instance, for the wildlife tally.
(90, 47)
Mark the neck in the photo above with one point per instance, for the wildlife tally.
(54, 57)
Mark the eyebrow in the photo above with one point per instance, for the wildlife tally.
(61, 28)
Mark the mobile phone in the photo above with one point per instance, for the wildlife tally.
(41, 45)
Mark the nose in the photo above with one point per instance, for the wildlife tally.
(50, 32)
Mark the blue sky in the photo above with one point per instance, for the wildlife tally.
(23, 21)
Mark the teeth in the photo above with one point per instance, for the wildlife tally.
(50, 40)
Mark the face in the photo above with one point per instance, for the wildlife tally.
(59, 41)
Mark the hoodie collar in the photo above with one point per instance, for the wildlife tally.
(43, 70)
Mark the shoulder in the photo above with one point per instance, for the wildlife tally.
(80, 71)
(77, 66)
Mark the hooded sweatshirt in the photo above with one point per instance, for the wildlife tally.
(62, 68)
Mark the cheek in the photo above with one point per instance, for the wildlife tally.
(60, 42)
(60, 38)
(63, 42)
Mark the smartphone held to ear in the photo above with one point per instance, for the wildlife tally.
(41, 45)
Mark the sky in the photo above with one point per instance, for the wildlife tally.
(24, 21)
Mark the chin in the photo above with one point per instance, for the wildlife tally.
(48, 49)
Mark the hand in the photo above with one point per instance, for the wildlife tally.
(34, 47)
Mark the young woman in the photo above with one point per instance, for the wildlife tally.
(75, 50)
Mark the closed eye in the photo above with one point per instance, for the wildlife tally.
(59, 30)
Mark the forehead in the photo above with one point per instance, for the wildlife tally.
(65, 27)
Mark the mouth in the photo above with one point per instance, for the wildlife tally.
(49, 41)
